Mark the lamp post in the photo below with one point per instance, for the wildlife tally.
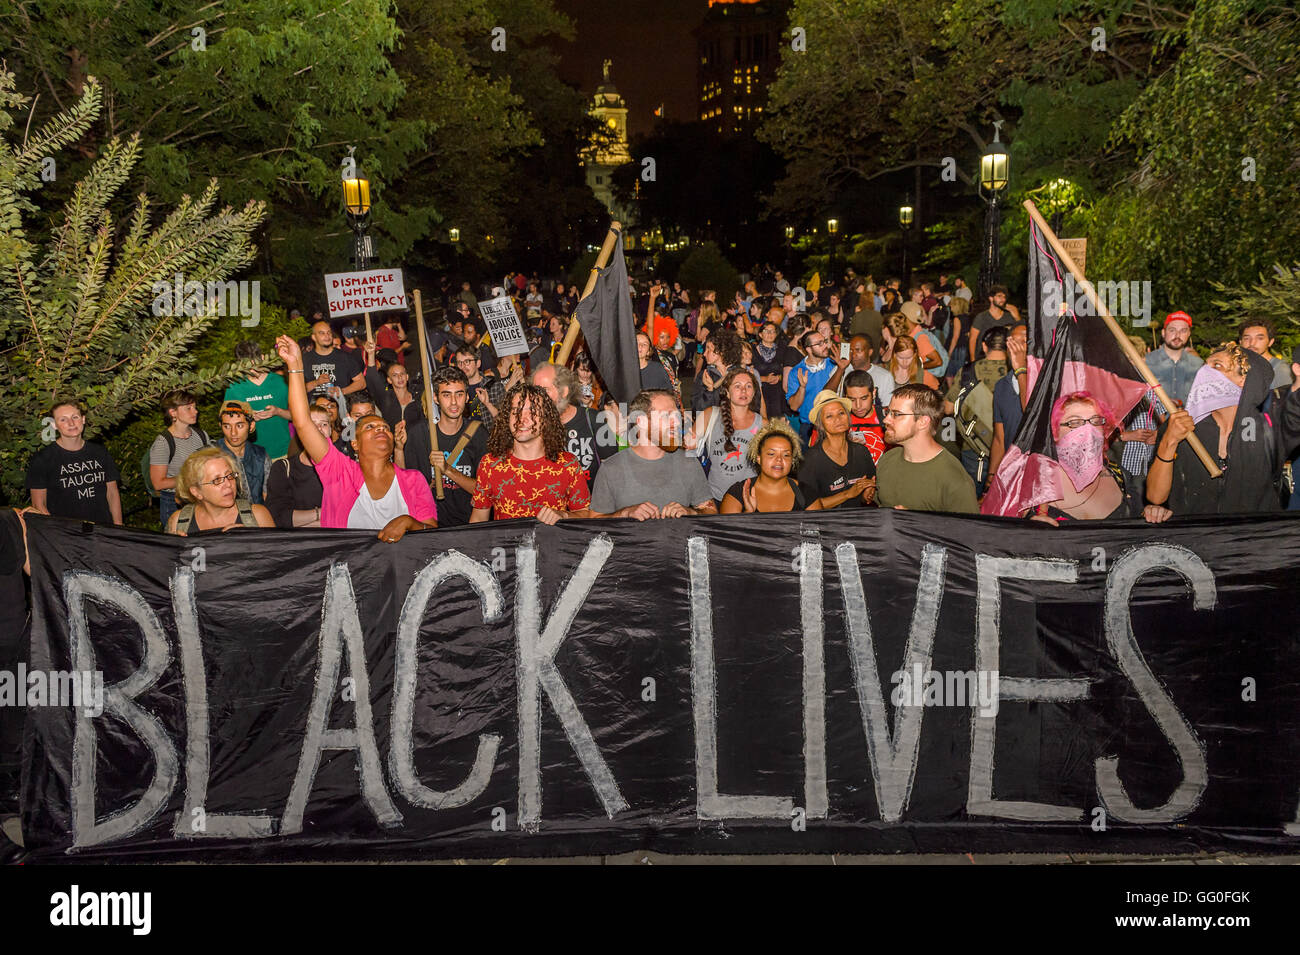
(789, 249)
(832, 230)
(356, 202)
(995, 173)
(905, 216)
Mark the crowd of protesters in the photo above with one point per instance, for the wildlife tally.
(863, 395)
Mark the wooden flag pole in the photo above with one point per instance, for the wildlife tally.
(1127, 346)
(602, 260)
(428, 390)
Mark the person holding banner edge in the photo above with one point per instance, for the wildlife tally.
(370, 492)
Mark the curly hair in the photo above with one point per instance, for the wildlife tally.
(775, 428)
(724, 406)
(1236, 354)
(727, 344)
(502, 439)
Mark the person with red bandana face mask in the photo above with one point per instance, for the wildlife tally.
(1092, 489)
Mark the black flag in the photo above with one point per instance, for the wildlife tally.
(1068, 353)
(609, 326)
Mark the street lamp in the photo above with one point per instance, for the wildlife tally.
(454, 234)
(905, 217)
(356, 202)
(995, 174)
(832, 230)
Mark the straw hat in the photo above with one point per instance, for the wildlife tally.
(825, 397)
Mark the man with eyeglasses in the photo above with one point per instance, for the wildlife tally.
(920, 474)
(809, 378)
(483, 404)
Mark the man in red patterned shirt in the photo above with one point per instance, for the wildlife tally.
(527, 472)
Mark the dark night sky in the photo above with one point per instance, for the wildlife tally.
(652, 48)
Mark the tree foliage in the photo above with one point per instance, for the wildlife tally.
(79, 315)
(272, 94)
(1147, 112)
(1216, 182)
(707, 268)
(1275, 297)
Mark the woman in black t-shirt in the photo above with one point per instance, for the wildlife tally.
(774, 453)
(73, 477)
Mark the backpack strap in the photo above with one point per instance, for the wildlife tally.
(246, 515)
(184, 519)
(465, 439)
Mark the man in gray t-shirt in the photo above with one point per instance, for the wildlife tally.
(647, 480)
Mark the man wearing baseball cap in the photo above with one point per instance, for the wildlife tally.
(1175, 363)
(836, 471)
(237, 426)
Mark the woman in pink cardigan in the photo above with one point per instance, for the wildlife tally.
(366, 494)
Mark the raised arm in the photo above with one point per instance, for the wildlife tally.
(1160, 476)
(313, 442)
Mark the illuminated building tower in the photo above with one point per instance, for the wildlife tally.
(739, 45)
(609, 151)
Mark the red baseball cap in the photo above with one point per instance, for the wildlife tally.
(1178, 317)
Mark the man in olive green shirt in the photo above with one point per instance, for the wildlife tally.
(919, 474)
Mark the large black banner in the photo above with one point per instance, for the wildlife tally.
(880, 681)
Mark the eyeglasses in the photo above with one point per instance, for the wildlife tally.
(891, 413)
(220, 480)
(819, 341)
(1072, 423)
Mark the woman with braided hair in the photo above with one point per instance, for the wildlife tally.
(722, 433)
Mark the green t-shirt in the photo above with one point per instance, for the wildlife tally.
(273, 432)
(940, 484)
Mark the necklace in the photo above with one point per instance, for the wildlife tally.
(1096, 485)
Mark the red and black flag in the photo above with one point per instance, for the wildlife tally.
(609, 325)
(1068, 353)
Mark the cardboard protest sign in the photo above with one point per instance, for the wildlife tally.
(354, 293)
(503, 325)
